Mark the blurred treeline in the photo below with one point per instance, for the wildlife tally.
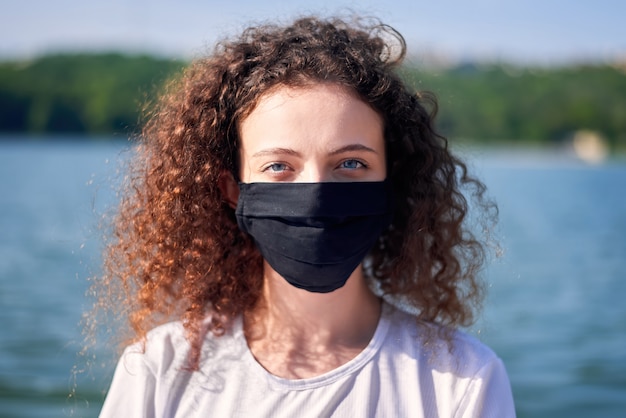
(98, 94)
(94, 94)
(503, 103)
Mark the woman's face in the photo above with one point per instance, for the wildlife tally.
(321, 133)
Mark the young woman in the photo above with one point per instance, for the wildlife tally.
(292, 242)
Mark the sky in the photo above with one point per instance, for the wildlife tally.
(521, 31)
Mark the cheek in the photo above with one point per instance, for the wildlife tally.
(244, 170)
(243, 160)
(380, 173)
(229, 188)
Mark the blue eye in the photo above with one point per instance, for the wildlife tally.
(276, 167)
(351, 164)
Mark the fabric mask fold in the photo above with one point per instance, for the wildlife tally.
(314, 234)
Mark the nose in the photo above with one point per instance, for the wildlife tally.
(314, 172)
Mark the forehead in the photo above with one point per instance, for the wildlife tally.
(311, 128)
(309, 101)
(283, 92)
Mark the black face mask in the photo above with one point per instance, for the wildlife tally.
(314, 234)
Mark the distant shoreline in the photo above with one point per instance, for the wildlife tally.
(99, 96)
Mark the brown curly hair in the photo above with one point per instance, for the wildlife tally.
(177, 252)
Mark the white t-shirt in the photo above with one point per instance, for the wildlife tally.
(396, 375)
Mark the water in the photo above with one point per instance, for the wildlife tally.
(555, 311)
(49, 197)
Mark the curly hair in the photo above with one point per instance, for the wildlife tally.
(177, 252)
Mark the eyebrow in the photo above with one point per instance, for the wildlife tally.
(276, 151)
(352, 147)
(289, 151)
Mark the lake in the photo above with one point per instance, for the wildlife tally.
(555, 312)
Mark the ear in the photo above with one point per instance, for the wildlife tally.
(229, 188)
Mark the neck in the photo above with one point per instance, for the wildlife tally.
(295, 333)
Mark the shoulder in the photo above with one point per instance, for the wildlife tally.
(446, 351)
(168, 336)
(166, 349)
(171, 333)
(463, 374)
(163, 344)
